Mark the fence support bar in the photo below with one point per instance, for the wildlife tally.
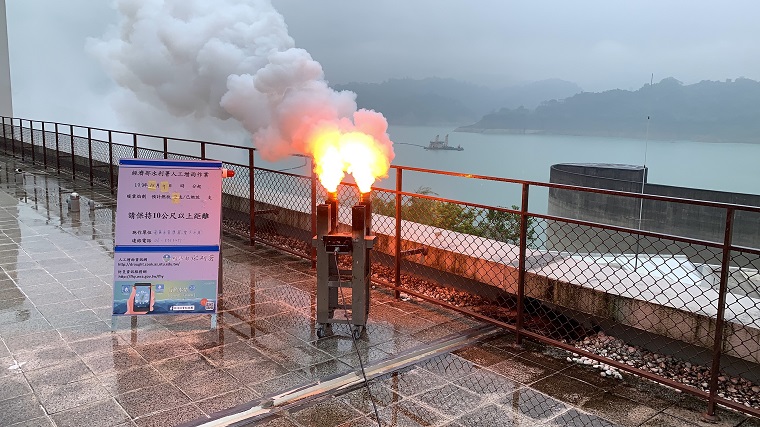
(709, 415)
(521, 265)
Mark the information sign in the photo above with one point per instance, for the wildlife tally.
(168, 223)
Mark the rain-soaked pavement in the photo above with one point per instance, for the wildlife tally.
(62, 365)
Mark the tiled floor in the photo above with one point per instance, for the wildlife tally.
(62, 364)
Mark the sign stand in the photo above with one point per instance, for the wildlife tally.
(167, 251)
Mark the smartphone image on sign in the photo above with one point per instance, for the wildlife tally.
(142, 297)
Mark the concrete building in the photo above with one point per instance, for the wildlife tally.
(6, 103)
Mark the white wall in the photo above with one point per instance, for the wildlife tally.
(6, 104)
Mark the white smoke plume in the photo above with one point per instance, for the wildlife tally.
(200, 63)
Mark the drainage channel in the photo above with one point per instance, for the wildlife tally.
(245, 414)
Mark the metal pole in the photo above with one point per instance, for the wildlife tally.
(57, 150)
(134, 144)
(521, 263)
(110, 162)
(203, 151)
(313, 213)
(31, 139)
(719, 320)
(5, 138)
(21, 137)
(89, 151)
(251, 199)
(166, 148)
(73, 158)
(44, 145)
(399, 186)
(13, 139)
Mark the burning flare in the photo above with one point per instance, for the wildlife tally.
(336, 152)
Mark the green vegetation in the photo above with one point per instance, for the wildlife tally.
(488, 223)
(668, 110)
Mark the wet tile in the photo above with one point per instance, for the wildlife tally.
(177, 366)
(172, 417)
(12, 385)
(115, 361)
(58, 308)
(483, 355)
(94, 346)
(485, 383)
(279, 384)
(130, 379)
(575, 418)
(44, 421)
(203, 384)
(25, 327)
(568, 389)
(67, 371)
(73, 318)
(233, 354)
(161, 350)
(44, 357)
(664, 420)
(618, 409)
(449, 366)
(490, 416)
(226, 400)
(86, 331)
(521, 370)
(410, 381)
(256, 371)
(325, 414)
(409, 413)
(152, 399)
(31, 342)
(328, 369)
(450, 399)
(105, 413)
(690, 408)
(57, 398)
(20, 409)
(532, 404)
(362, 400)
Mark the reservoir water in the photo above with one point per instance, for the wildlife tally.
(733, 167)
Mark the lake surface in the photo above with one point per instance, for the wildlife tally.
(713, 166)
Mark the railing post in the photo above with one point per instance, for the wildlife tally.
(709, 415)
(203, 151)
(57, 150)
(313, 213)
(73, 158)
(5, 138)
(44, 145)
(110, 162)
(166, 148)
(521, 264)
(397, 267)
(134, 145)
(251, 200)
(21, 137)
(13, 139)
(89, 152)
(31, 140)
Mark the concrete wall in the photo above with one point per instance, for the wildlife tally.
(676, 219)
(6, 103)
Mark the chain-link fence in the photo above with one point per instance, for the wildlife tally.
(668, 289)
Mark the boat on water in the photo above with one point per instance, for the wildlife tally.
(437, 144)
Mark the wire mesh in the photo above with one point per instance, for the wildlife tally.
(619, 289)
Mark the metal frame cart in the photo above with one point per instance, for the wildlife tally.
(330, 243)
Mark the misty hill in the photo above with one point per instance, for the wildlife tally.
(704, 111)
(436, 101)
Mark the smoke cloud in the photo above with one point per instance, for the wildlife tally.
(200, 64)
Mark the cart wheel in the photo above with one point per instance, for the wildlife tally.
(320, 331)
(357, 332)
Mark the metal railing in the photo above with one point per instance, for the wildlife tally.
(673, 307)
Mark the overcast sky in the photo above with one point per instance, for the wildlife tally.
(599, 45)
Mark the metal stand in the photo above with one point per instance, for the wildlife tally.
(329, 243)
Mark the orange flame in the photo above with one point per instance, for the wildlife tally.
(336, 152)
